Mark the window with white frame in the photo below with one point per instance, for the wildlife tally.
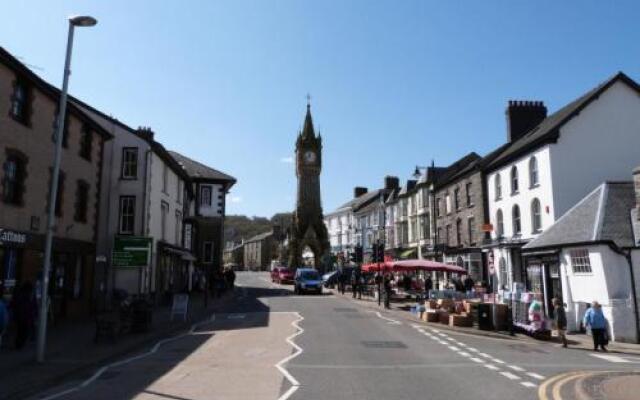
(536, 216)
(514, 180)
(515, 218)
(499, 224)
(533, 172)
(127, 215)
(497, 182)
(580, 261)
(447, 203)
(129, 162)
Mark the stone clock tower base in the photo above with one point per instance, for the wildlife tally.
(308, 229)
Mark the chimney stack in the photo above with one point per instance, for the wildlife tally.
(145, 132)
(636, 184)
(391, 182)
(522, 116)
(411, 184)
(359, 191)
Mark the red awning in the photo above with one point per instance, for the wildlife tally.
(413, 265)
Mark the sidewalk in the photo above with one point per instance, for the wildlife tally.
(71, 350)
(576, 340)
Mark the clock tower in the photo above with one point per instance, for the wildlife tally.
(308, 223)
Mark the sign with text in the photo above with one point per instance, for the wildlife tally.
(131, 251)
(12, 237)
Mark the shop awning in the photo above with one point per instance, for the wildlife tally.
(413, 265)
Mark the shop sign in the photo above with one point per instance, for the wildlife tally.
(487, 228)
(12, 237)
(131, 251)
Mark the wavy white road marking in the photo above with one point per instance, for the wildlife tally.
(389, 320)
(153, 350)
(295, 385)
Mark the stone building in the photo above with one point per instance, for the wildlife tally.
(259, 251)
(26, 153)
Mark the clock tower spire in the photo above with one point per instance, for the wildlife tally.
(308, 222)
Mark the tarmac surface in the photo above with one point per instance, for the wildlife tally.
(271, 344)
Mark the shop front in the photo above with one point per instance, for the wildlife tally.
(469, 259)
(71, 275)
(543, 278)
(175, 271)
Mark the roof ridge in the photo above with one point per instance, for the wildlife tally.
(597, 227)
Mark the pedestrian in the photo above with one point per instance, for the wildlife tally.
(428, 285)
(378, 281)
(24, 311)
(4, 314)
(230, 278)
(355, 281)
(406, 283)
(342, 280)
(361, 285)
(560, 320)
(468, 284)
(594, 319)
(387, 290)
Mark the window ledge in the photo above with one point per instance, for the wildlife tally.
(517, 192)
(536, 232)
(534, 186)
(126, 178)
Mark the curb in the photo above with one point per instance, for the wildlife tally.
(474, 332)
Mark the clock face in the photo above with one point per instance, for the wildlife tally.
(309, 157)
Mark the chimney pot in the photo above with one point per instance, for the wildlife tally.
(391, 182)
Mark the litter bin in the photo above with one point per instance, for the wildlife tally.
(485, 317)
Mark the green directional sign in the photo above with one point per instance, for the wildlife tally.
(131, 251)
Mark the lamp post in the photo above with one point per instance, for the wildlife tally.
(79, 21)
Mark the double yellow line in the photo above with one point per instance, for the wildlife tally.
(556, 383)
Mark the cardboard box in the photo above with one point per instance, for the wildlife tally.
(444, 317)
(460, 320)
(431, 316)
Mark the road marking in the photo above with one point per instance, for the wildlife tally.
(542, 389)
(295, 385)
(474, 349)
(454, 348)
(485, 355)
(491, 366)
(528, 384)
(475, 359)
(515, 368)
(497, 361)
(434, 330)
(509, 375)
(614, 359)
(389, 320)
(451, 339)
(534, 375)
(464, 354)
(153, 350)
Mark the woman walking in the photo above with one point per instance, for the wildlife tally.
(560, 319)
(594, 319)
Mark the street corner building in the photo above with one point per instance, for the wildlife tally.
(206, 220)
(27, 145)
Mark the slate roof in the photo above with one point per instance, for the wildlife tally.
(548, 130)
(358, 202)
(259, 237)
(197, 170)
(602, 216)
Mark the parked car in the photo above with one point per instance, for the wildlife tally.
(330, 279)
(307, 280)
(282, 275)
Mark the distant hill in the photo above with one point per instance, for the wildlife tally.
(238, 227)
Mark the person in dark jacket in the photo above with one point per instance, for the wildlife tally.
(24, 310)
(387, 290)
(428, 285)
(560, 320)
(355, 282)
(468, 283)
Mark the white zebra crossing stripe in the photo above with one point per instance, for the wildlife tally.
(534, 375)
(509, 375)
(516, 368)
(528, 384)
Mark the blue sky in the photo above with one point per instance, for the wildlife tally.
(393, 83)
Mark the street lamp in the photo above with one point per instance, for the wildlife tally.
(79, 21)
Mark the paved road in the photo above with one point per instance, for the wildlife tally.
(337, 349)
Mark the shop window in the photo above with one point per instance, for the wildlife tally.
(20, 102)
(86, 142)
(207, 252)
(82, 201)
(8, 268)
(580, 261)
(13, 181)
(127, 215)
(515, 218)
(533, 172)
(129, 163)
